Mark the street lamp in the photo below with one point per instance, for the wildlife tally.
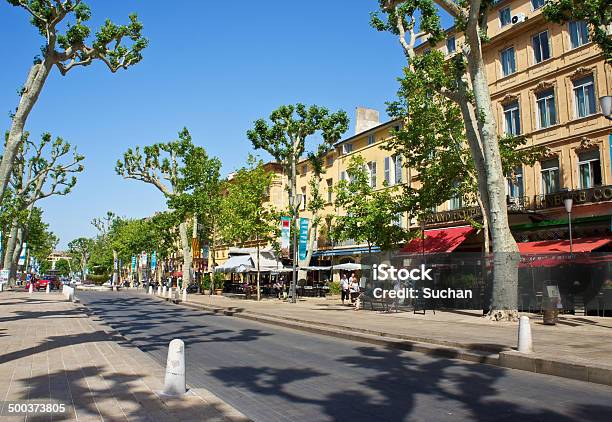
(294, 203)
(423, 238)
(606, 106)
(568, 202)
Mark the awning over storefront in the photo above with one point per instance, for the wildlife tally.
(439, 240)
(237, 263)
(580, 245)
(345, 252)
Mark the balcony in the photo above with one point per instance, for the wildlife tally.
(593, 195)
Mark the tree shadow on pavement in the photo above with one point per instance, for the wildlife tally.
(390, 385)
(34, 315)
(57, 342)
(95, 392)
(144, 325)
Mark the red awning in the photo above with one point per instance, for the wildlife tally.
(580, 245)
(439, 240)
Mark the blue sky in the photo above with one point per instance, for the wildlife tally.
(213, 67)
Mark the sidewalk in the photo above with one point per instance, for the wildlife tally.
(51, 349)
(577, 347)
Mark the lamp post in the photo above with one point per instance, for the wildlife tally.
(294, 203)
(568, 202)
(606, 106)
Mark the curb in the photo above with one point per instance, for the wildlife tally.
(533, 362)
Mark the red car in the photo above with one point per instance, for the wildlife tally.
(41, 284)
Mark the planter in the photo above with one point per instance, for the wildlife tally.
(550, 316)
(219, 291)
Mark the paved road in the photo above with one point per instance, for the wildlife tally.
(276, 374)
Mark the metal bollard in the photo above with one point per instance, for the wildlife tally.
(169, 292)
(184, 295)
(150, 290)
(525, 341)
(31, 289)
(48, 289)
(164, 292)
(174, 383)
(158, 290)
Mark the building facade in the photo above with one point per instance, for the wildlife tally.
(545, 80)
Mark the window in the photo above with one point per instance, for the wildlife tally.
(304, 169)
(515, 183)
(330, 161)
(536, 4)
(512, 118)
(550, 176)
(371, 139)
(397, 221)
(541, 47)
(589, 168)
(584, 96)
(397, 160)
(450, 45)
(397, 128)
(388, 170)
(547, 115)
(343, 175)
(579, 33)
(347, 148)
(303, 204)
(505, 16)
(508, 61)
(372, 173)
(330, 190)
(456, 201)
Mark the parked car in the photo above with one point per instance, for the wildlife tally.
(41, 283)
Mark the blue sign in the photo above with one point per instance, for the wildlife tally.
(303, 242)
(153, 260)
(133, 263)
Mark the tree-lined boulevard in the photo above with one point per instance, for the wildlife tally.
(283, 239)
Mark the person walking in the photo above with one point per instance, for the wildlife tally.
(344, 285)
(354, 288)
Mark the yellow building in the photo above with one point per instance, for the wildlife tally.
(545, 80)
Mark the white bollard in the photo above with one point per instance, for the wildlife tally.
(71, 297)
(174, 383)
(170, 292)
(48, 289)
(158, 290)
(525, 342)
(164, 291)
(31, 289)
(150, 290)
(184, 295)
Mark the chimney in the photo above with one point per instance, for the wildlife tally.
(366, 118)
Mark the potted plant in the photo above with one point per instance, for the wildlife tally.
(219, 281)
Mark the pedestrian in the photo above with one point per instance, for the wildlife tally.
(344, 285)
(354, 289)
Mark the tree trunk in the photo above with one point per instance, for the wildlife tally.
(14, 258)
(258, 274)
(194, 253)
(32, 88)
(504, 302)
(115, 267)
(186, 254)
(11, 243)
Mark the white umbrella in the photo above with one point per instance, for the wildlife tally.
(350, 266)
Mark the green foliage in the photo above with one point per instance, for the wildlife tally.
(285, 137)
(77, 48)
(433, 137)
(371, 215)
(62, 267)
(45, 266)
(41, 241)
(334, 288)
(386, 19)
(597, 14)
(244, 213)
(98, 279)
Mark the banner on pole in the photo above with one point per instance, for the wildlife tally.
(153, 260)
(22, 256)
(285, 235)
(303, 249)
(133, 263)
